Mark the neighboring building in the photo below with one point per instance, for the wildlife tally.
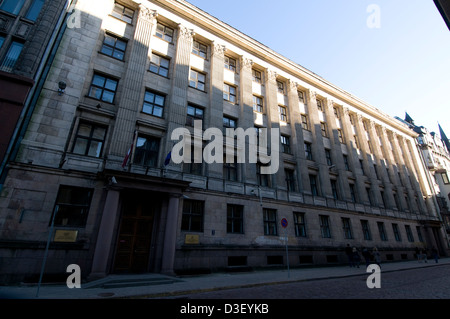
(28, 32)
(444, 9)
(435, 155)
(95, 159)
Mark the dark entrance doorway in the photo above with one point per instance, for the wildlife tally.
(135, 232)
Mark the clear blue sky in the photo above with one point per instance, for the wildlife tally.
(403, 66)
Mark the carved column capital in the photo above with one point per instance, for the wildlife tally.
(219, 50)
(246, 63)
(146, 13)
(185, 33)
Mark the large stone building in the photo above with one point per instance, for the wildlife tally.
(94, 161)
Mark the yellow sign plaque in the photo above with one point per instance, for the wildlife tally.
(192, 239)
(65, 236)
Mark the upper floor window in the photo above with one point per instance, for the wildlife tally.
(300, 224)
(193, 113)
(153, 104)
(228, 122)
(308, 151)
(123, 13)
(319, 105)
(325, 226)
(305, 125)
(285, 144)
(12, 6)
(199, 49)
(34, 10)
(159, 65)
(197, 80)
(89, 140)
(2, 39)
(396, 231)
(341, 136)
(103, 88)
(256, 76)
(280, 87)
(235, 219)
(290, 180)
(301, 97)
(147, 150)
(230, 64)
(336, 112)
(445, 178)
(11, 57)
(270, 222)
(323, 128)
(283, 113)
(164, 32)
(366, 230)
(347, 228)
(229, 93)
(114, 47)
(258, 104)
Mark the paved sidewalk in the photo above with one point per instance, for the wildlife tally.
(160, 286)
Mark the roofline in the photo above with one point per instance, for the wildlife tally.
(205, 20)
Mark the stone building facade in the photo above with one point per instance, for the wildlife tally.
(94, 162)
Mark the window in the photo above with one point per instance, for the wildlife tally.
(285, 144)
(319, 105)
(2, 39)
(283, 113)
(305, 125)
(396, 232)
(103, 88)
(445, 178)
(346, 164)
(197, 80)
(382, 231)
(323, 128)
(336, 112)
(270, 222)
(228, 122)
(256, 76)
(11, 57)
(164, 32)
(280, 86)
(193, 113)
(89, 140)
(301, 97)
(325, 226)
(230, 64)
(366, 230)
(369, 196)
(290, 180)
(12, 6)
(114, 47)
(341, 136)
(299, 224)
(409, 233)
(419, 234)
(199, 49)
(347, 228)
(72, 206)
(147, 149)
(159, 65)
(375, 168)
(123, 13)
(34, 10)
(229, 93)
(192, 167)
(235, 219)
(313, 184)
(258, 104)
(352, 120)
(263, 179)
(308, 151)
(192, 219)
(361, 165)
(230, 170)
(328, 157)
(334, 189)
(153, 104)
(356, 141)
(352, 192)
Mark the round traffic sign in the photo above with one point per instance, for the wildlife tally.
(284, 222)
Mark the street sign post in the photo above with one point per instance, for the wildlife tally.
(284, 224)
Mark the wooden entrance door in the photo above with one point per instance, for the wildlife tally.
(135, 234)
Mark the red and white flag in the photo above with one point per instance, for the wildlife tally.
(130, 150)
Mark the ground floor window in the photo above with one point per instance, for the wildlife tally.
(72, 206)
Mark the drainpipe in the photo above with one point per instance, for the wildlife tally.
(31, 101)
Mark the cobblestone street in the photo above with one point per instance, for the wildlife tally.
(423, 283)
